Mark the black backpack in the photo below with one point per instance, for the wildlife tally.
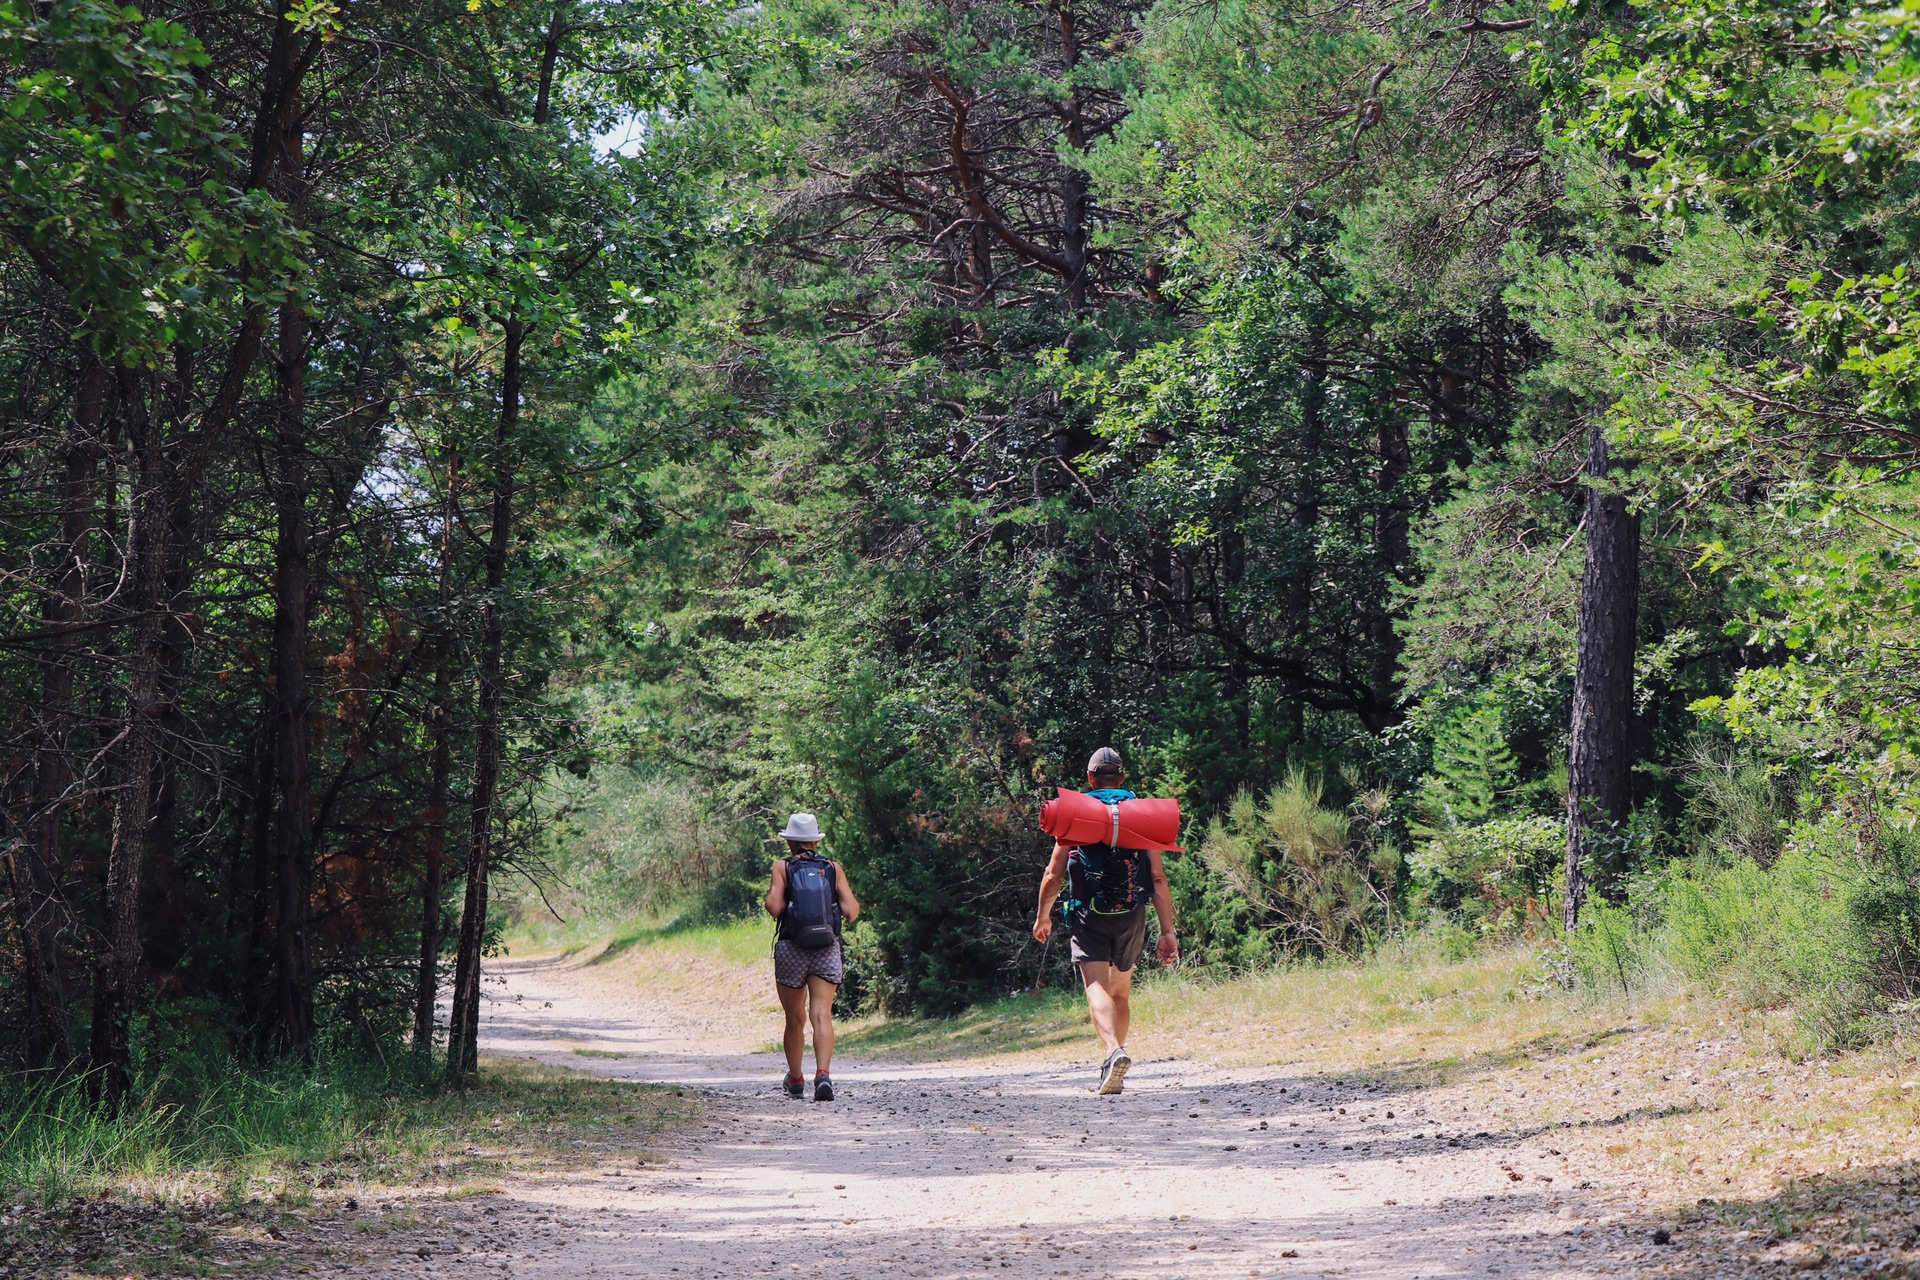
(1107, 881)
(812, 917)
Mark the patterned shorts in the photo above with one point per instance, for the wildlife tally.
(792, 965)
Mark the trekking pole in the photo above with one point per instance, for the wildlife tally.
(1041, 975)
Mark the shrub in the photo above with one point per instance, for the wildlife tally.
(1501, 876)
(1314, 879)
(1831, 929)
(1743, 807)
(630, 843)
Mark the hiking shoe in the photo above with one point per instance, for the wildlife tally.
(796, 1087)
(822, 1087)
(1113, 1075)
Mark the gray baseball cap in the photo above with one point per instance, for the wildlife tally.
(1105, 760)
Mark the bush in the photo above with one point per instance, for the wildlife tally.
(1313, 880)
(1831, 930)
(629, 843)
(1743, 807)
(1501, 876)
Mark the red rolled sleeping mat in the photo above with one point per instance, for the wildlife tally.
(1073, 817)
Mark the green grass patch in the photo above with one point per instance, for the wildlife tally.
(286, 1135)
(740, 942)
(267, 1152)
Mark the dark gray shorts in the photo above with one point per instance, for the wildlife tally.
(792, 965)
(1116, 940)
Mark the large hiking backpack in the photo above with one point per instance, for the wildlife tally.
(1108, 881)
(812, 917)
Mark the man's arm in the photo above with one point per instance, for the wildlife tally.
(1050, 885)
(1168, 948)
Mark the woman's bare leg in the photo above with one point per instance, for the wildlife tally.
(820, 997)
(793, 1003)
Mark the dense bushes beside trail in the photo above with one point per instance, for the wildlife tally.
(1830, 930)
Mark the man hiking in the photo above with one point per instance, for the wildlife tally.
(809, 897)
(1106, 911)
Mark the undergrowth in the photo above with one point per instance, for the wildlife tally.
(1829, 930)
(238, 1132)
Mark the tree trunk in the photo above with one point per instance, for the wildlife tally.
(292, 551)
(439, 799)
(1393, 550)
(1304, 570)
(35, 859)
(176, 652)
(1600, 756)
(463, 1031)
(147, 544)
(293, 871)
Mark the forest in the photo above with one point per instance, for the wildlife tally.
(471, 460)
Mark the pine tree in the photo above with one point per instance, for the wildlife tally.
(1472, 766)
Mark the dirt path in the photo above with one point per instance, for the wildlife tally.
(988, 1169)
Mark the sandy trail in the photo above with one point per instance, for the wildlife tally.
(979, 1168)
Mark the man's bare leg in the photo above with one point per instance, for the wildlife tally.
(1097, 977)
(1120, 991)
(793, 1003)
(820, 997)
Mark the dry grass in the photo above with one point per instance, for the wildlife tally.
(1407, 1012)
(717, 977)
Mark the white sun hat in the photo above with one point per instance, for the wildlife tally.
(802, 826)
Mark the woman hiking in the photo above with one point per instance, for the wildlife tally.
(809, 897)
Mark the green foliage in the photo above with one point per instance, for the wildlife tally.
(1296, 490)
(625, 844)
(1741, 806)
(1502, 875)
(1318, 880)
(1831, 930)
(1472, 769)
(1610, 950)
(248, 1129)
(187, 1113)
(124, 182)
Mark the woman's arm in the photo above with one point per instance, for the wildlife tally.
(777, 891)
(849, 905)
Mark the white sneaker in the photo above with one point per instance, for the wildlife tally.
(1113, 1073)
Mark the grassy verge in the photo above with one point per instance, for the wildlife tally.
(158, 1185)
(1405, 1009)
(735, 942)
(717, 977)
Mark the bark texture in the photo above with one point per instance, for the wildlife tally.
(1600, 754)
